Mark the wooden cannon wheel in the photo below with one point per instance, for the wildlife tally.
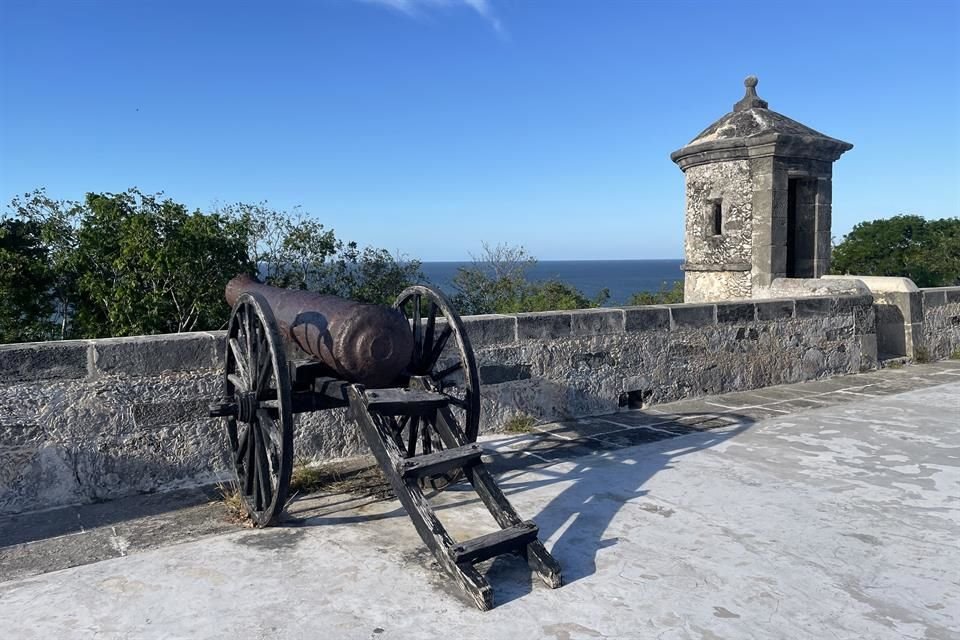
(442, 361)
(261, 434)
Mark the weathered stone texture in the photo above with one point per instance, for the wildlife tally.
(42, 361)
(573, 377)
(728, 183)
(100, 438)
(711, 286)
(941, 322)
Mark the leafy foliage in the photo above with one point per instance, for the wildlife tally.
(26, 312)
(52, 287)
(295, 251)
(668, 294)
(497, 283)
(370, 275)
(135, 263)
(147, 265)
(926, 251)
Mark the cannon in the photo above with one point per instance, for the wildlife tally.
(409, 378)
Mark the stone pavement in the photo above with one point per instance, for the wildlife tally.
(828, 509)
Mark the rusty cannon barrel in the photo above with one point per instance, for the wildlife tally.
(366, 343)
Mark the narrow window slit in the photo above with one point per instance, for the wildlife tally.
(717, 218)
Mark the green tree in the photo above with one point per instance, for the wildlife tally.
(370, 275)
(147, 265)
(497, 282)
(26, 303)
(289, 248)
(668, 294)
(56, 221)
(293, 250)
(926, 251)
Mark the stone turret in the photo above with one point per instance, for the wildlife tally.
(758, 200)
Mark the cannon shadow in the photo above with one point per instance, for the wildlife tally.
(596, 474)
(595, 488)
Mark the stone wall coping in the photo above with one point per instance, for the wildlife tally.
(880, 284)
(953, 288)
(940, 296)
(805, 287)
(179, 352)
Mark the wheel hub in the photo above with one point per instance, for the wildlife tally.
(247, 406)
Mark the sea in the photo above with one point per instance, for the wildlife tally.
(622, 277)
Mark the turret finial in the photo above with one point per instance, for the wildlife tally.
(750, 99)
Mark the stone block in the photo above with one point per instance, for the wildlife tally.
(649, 318)
(151, 415)
(934, 298)
(29, 361)
(824, 191)
(774, 309)
(490, 330)
(868, 352)
(849, 303)
(500, 373)
(762, 181)
(812, 307)
(776, 233)
(864, 320)
(220, 346)
(544, 326)
(692, 316)
(588, 322)
(729, 312)
(153, 355)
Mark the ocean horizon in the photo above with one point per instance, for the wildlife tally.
(623, 278)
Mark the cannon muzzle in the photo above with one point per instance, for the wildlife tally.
(366, 343)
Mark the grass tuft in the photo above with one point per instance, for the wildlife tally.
(520, 423)
(337, 477)
(230, 498)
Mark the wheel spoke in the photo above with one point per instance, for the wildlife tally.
(271, 430)
(428, 336)
(257, 495)
(412, 436)
(246, 330)
(237, 381)
(417, 333)
(240, 359)
(438, 347)
(242, 446)
(263, 469)
(253, 356)
(462, 403)
(440, 375)
(248, 463)
(265, 371)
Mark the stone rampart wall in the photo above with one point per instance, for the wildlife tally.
(82, 421)
(941, 322)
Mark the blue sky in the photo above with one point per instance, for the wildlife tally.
(428, 126)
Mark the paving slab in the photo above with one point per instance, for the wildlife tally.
(833, 522)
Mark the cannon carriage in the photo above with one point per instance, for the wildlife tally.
(408, 377)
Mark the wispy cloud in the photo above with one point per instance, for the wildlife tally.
(416, 8)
